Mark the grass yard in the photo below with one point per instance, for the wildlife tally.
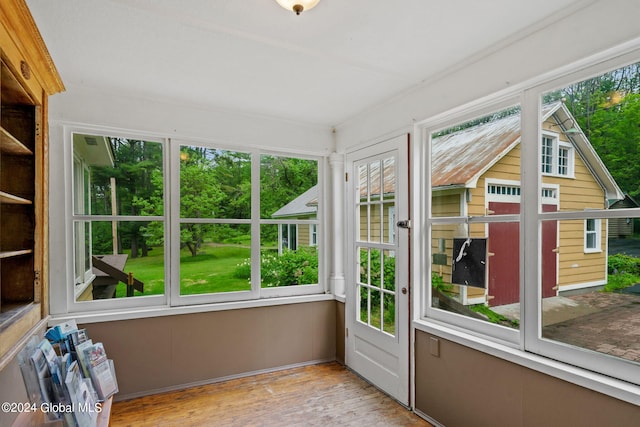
(210, 271)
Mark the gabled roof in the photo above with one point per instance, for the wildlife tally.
(304, 204)
(460, 158)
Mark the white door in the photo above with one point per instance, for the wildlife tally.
(377, 308)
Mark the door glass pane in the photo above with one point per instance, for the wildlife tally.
(362, 190)
(375, 223)
(389, 317)
(375, 181)
(363, 305)
(389, 223)
(362, 221)
(363, 265)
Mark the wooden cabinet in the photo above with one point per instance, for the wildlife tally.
(27, 78)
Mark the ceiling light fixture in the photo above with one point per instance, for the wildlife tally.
(298, 5)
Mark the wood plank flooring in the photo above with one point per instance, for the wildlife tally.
(318, 395)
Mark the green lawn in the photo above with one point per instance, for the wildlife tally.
(210, 271)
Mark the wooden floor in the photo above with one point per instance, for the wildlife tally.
(318, 395)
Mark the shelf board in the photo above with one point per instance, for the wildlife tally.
(9, 144)
(9, 254)
(13, 200)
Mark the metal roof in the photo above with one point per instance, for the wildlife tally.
(304, 204)
(460, 158)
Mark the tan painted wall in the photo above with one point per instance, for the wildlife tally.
(465, 387)
(340, 332)
(494, 392)
(158, 353)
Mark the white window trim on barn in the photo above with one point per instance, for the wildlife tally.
(502, 190)
(551, 161)
(596, 231)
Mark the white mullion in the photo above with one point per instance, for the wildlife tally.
(174, 236)
(256, 274)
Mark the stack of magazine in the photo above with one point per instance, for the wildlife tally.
(67, 375)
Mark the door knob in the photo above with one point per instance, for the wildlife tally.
(404, 224)
(404, 291)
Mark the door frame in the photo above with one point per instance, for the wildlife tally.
(402, 390)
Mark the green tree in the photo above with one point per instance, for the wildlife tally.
(607, 109)
(200, 195)
(135, 163)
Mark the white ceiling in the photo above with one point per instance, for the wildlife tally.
(322, 67)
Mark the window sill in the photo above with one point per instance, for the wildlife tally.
(161, 311)
(600, 383)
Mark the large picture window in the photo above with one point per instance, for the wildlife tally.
(245, 224)
(561, 273)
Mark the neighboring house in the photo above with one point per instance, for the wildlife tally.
(304, 207)
(372, 225)
(476, 172)
(620, 228)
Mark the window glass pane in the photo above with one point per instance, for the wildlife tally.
(375, 181)
(466, 154)
(376, 287)
(475, 172)
(284, 266)
(214, 258)
(214, 183)
(478, 277)
(128, 172)
(288, 187)
(120, 253)
(594, 298)
(593, 301)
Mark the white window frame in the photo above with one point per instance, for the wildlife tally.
(509, 336)
(596, 233)
(612, 376)
(171, 300)
(84, 278)
(257, 292)
(556, 147)
(313, 235)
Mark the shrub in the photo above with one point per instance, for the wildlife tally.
(620, 263)
(437, 282)
(624, 271)
(299, 267)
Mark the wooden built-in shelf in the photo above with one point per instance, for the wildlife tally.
(9, 144)
(10, 199)
(10, 254)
